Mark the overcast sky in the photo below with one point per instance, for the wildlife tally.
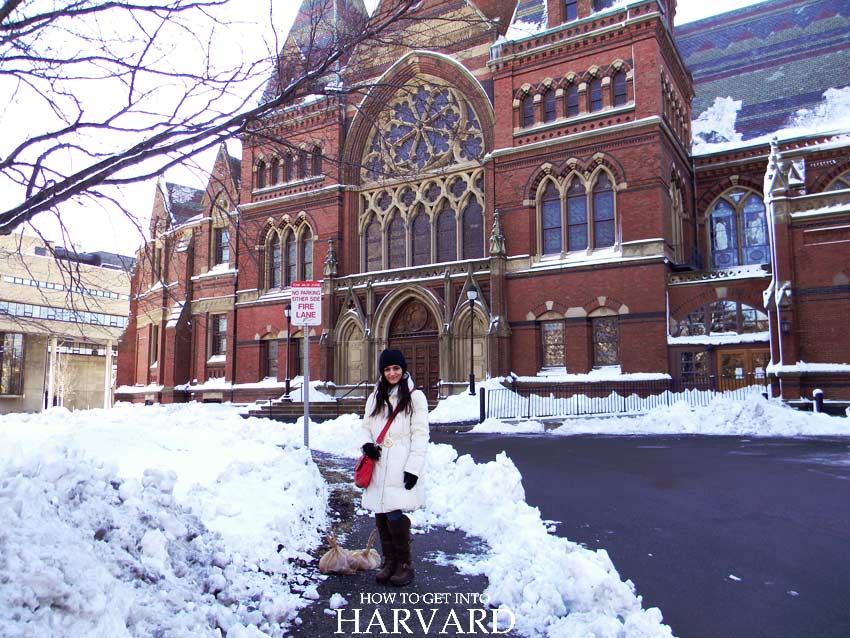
(107, 230)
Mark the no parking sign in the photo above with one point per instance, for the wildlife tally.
(307, 303)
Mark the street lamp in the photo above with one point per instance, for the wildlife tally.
(472, 295)
(288, 312)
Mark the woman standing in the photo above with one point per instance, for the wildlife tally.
(399, 461)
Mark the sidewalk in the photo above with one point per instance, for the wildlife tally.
(440, 594)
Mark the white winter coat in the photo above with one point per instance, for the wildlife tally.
(404, 449)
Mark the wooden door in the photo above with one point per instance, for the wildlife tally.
(741, 368)
(414, 331)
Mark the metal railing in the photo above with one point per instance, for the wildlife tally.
(574, 399)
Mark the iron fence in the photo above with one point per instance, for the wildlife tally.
(527, 400)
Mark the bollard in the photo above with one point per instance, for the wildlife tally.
(481, 405)
(818, 396)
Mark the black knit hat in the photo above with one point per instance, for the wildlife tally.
(391, 357)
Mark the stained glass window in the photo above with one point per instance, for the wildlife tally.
(603, 212)
(606, 341)
(261, 174)
(570, 10)
(287, 168)
(421, 238)
(274, 261)
(274, 170)
(841, 183)
(572, 101)
(395, 242)
(306, 255)
(576, 216)
(551, 220)
(473, 230)
(527, 110)
(425, 126)
(620, 93)
(552, 334)
(446, 234)
(549, 105)
(317, 160)
(303, 164)
(373, 245)
(738, 228)
(595, 95)
(290, 257)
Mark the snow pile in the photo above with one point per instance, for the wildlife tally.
(716, 124)
(458, 408)
(754, 416)
(142, 521)
(832, 113)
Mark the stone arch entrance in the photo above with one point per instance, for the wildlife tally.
(414, 331)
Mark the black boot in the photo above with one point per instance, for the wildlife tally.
(400, 531)
(388, 565)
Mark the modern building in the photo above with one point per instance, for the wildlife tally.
(61, 314)
(517, 192)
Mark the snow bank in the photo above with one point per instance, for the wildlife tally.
(161, 520)
(754, 416)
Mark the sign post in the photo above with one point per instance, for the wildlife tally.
(306, 311)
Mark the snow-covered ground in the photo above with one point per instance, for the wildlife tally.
(188, 520)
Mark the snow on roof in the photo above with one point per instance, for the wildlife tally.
(718, 339)
(802, 367)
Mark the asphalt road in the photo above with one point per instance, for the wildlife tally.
(729, 537)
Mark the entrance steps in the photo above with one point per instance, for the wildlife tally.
(291, 411)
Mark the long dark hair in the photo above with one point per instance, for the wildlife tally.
(382, 396)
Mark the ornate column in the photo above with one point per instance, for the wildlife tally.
(499, 331)
(327, 341)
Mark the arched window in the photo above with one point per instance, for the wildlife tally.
(677, 215)
(373, 245)
(550, 213)
(395, 242)
(620, 93)
(288, 168)
(274, 171)
(572, 101)
(576, 216)
(261, 174)
(724, 316)
(274, 262)
(841, 183)
(306, 255)
(606, 341)
(596, 95)
(317, 160)
(527, 113)
(473, 230)
(290, 256)
(738, 229)
(549, 105)
(421, 238)
(603, 212)
(303, 165)
(446, 234)
(570, 10)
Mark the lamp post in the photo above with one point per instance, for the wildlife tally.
(288, 312)
(472, 295)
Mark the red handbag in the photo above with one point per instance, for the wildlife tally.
(365, 466)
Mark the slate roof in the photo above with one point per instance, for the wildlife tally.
(183, 202)
(776, 57)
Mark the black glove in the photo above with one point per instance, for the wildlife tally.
(410, 480)
(372, 451)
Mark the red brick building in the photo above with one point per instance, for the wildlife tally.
(537, 154)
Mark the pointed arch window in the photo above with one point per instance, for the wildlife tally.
(576, 216)
(372, 244)
(603, 212)
(290, 266)
(596, 95)
(842, 182)
(306, 268)
(396, 257)
(473, 230)
(527, 110)
(303, 164)
(317, 160)
(261, 174)
(738, 228)
(572, 101)
(421, 237)
(274, 172)
(549, 105)
(288, 175)
(551, 219)
(274, 261)
(621, 95)
(677, 215)
(446, 234)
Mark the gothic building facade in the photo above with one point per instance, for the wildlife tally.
(514, 193)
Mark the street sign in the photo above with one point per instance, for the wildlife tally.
(307, 303)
